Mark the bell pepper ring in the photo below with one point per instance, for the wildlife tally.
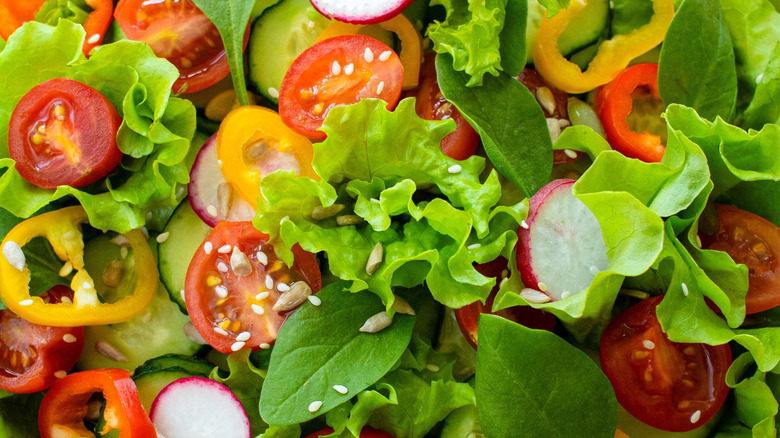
(62, 229)
(411, 43)
(612, 57)
(97, 23)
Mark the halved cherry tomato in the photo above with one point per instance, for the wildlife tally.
(31, 354)
(252, 142)
(366, 432)
(468, 316)
(179, 32)
(431, 105)
(63, 132)
(754, 241)
(233, 282)
(670, 386)
(64, 407)
(337, 71)
(14, 13)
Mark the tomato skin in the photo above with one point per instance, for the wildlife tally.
(366, 432)
(754, 241)
(179, 32)
(52, 351)
(233, 313)
(76, 128)
(431, 105)
(670, 386)
(314, 83)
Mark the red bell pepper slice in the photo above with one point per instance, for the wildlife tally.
(97, 23)
(65, 405)
(614, 103)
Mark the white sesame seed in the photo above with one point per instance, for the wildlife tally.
(258, 309)
(341, 389)
(542, 287)
(286, 218)
(335, 68)
(311, 24)
(181, 292)
(455, 168)
(66, 269)
(503, 282)
(432, 367)
(570, 153)
(222, 267)
(237, 345)
(220, 331)
(368, 55)
(219, 163)
(27, 302)
(534, 296)
(375, 201)
(162, 237)
(208, 247)
(684, 288)
(273, 92)
(315, 406)
(66, 300)
(385, 55)
(314, 300)
(243, 336)
(696, 416)
(60, 374)
(565, 294)
(380, 87)
(120, 240)
(283, 287)
(262, 258)
(474, 246)
(13, 253)
(221, 291)
(524, 224)
(86, 285)
(594, 270)
(262, 295)
(69, 338)
(698, 241)
(759, 77)
(349, 69)
(269, 282)
(265, 346)
(123, 252)
(211, 210)
(94, 38)
(225, 249)
(648, 344)
(180, 192)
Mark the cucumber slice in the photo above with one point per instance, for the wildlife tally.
(587, 27)
(150, 384)
(157, 331)
(185, 234)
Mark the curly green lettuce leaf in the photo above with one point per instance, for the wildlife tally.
(387, 168)
(246, 382)
(154, 135)
(755, 405)
(76, 11)
(765, 106)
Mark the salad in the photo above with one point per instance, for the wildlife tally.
(399, 218)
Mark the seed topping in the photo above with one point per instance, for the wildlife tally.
(315, 406)
(341, 389)
(376, 323)
(375, 259)
(13, 253)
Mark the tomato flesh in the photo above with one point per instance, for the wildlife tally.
(225, 304)
(31, 354)
(671, 386)
(337, 71)
(63, 132)
(753, 241)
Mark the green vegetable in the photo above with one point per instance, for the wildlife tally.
(755, 403)
(19, 415)
(76, 11)
(628, 15)
(765, 106)
(527, 379)
(554, 6)
(246, 382)
(697, 61)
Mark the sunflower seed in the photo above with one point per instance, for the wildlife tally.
(375, 259)
(319, 212)
(299, 292)
(13, 253)
(224, 198)
(109, 351)
(376, 323)
(400, 305)
(113, 273)
(534, 296)
(348, 219)
(193, 334)
(240, 263)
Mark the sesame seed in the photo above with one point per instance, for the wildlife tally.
(258, 309)
(66, 300)
(341, 389)
(66, 269)
(27, 302)
(432, 367)
(13, 253)
(368, 55)
(211, 210)
(222, 267)
(162, 237)
(565, 294)
(181, 292)
(269, 282)
(286, 218)
(542, 287)
(315, 301)
(208, 247)
(262, 295)
(224, 249)
(273, 92)
(283, 287)
(69, 338)
(534, 296)
(86, 285)
(315, 406)
(524, 224)
(237, 345)
(265, 346)
(759, 77)
(648, 344)
(594, 270)
(385, 55)
(262, 258)
(375, 201)
(455, 168)
(503, 282)
(94, 38)
(120, 240)
(180, 192)
(311, 24)
(380, 87)
(570, 153)
(698, 241)
(243, 336)
(60, 374)
(695, 417)
(474, 246)
(335, 68)
(684, 288)
(220, 331)
(221, 291)
(349, 69)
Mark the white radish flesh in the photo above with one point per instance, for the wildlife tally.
(196, 407)
(360, 11)
(562, 248)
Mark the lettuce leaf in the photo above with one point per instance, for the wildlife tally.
(154, 136)
(765, 106)
(387, 168)
(755, 405)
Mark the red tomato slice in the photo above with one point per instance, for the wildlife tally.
(179, 32)
(63, 132)
(754, 241)
(31, 354)
(468, 316)
(670, 386)
(366, 432)
(233, 311)
(431, 105)
(337, 71)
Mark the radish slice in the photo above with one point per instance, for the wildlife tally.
(211, 196)
(560, 247)
(195, 407)
(362, 11)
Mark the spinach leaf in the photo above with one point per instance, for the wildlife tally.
(512, 38)
(509, 121)
(697, 66)
(231, 18)
(19, 415)
(526, 379)
(765, 106)
(321, 346)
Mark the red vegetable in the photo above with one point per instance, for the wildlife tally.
(97, 22)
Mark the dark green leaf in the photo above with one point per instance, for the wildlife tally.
(628, 15)
(321, 346)
(231, 18)
(697, 61)
(509, 121)
(512, 38)
(765, 106)
(533, 383)
(19, 415)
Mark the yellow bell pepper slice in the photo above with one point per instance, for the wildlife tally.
(62, 228)
(613, 55)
